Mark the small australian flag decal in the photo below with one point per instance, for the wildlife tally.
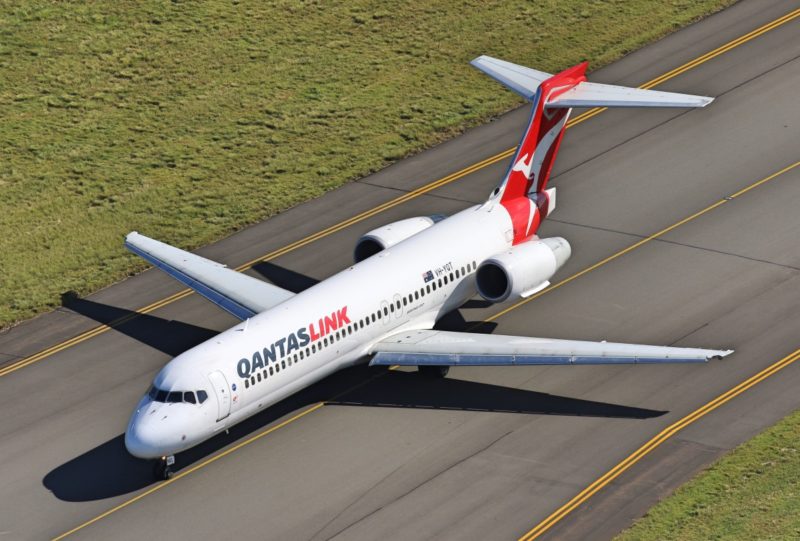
(427, 276)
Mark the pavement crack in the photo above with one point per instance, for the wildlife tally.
(676, 243)
(688, 334)
(429, 194)
(407, 492)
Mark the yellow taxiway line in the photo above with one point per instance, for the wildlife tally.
(91, 333)
(654, 443)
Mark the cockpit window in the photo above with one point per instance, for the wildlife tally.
(175, 397)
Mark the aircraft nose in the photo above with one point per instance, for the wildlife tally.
(146, 437)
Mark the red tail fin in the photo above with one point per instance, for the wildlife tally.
(522, 192)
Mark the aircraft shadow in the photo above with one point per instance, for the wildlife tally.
(454, 321)
(169, 336)
(477, 303)
(408, 390)
(108, 470)
(283, 277)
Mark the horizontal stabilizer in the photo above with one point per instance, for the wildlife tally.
(241, 295)
(525, 82)
(442, 348)
(600, 95)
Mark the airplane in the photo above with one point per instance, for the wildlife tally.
(383, 309)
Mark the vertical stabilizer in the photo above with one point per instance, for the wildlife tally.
(531, 166)
(523, 191)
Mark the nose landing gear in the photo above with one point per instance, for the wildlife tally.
(163, 468)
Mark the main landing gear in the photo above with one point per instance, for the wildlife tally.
(433, 372)
(163, 467)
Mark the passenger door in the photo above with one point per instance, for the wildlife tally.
(223, 392)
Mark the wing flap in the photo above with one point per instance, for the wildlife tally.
(442, 348)
(241, 295)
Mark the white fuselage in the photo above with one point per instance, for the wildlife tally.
(328, 327)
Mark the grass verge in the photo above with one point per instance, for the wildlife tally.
(751, 493)
(189, 120)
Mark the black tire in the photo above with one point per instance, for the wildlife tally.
(433, 372)
(162, 472)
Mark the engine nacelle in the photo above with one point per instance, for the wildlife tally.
(522, 270)
(390, 234)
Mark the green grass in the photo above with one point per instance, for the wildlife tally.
(752, 493)
(189, 120)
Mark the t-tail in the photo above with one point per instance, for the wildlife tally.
(523, 191)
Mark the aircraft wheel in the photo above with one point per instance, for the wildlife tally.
(434, 372)
(162, 471)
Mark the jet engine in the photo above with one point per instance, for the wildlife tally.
(390, 234)
(522, 270)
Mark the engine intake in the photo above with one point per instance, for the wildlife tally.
(390, 234)
(522, 270)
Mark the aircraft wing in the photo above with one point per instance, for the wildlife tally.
(442, 348)
(241, 295)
